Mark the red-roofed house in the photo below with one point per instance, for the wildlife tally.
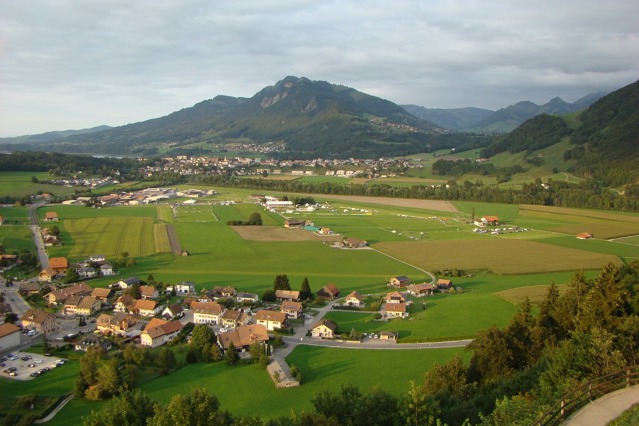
(329, 291)
(271, 319)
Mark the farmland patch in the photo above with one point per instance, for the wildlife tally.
(276, 233)
(536, 293)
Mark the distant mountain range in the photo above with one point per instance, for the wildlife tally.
(477, 120)
(307, 118)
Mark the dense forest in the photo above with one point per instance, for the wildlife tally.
(515, 373)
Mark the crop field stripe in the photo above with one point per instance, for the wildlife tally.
(161, 238)
(142, 231)
(120, 238)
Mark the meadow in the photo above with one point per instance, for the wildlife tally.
(19, 184)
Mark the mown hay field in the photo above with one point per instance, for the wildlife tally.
(499, 255)
(536, 294)
(111, 236)
(161, 238)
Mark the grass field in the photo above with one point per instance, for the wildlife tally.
(14, 215)
(161, 238)
(536, 294)
(19, 184)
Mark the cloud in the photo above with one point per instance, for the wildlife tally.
(70, 64)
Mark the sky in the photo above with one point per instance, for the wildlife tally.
(74, 64)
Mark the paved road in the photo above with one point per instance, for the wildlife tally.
(601, 411)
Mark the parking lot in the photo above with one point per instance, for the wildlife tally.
(28, 366)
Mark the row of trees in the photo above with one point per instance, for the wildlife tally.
(282, 283)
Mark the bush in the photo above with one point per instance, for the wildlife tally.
(377, 316)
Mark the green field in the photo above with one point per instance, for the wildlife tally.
(19, 184)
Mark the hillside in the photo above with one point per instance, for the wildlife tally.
(50, 136)
(310, 118)
(456, 118)
(603, 139)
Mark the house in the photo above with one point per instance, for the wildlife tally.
(399, 281)
(39, 320)
(487, 221)
(443, 284)
(59, 265)
(185, 287)
(51, 216)
(387, 335)
(148, 292)
(247, 297)
(271, 319)
(243, 337)
(223, 292)
(396, 310)
(97, 258)
(9, 336)
(124, 303)
(232, 318)
(59, 296)
(145, 308)
(291, 223)
(325, 231)
(102, 294)
(47, 275)
(124, 284)
(158, 332)
(354, 243)
(173, 311)
(292, 309)
(106, 270)
(117, 323)
(329, 291)
(419, 290)
(325, 329)
(394, 297)
(354, 299)
(92, 340)
(287, 295)
(26, 288)
(584, 236)
(85, 272)
(207, 312)
(81, 305)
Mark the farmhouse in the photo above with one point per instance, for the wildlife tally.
(354, 299)
(81, 305)
(158, 332)
(292, 309)
(396, 310)
(145, 308)
(443, 284)
(101, 294)
(85, 272)
(399, 281)
(51, 216)
(325, 329)
(97, 258)
(354, 243)
(117, 324)
(148, 292)
(290, 223)
(28, 287)
(584, 236)
(91, 340)
(39, 320)
(106, 270)
(271, 319)
(124, 284)
(47, 275)
(59, 296)
(219, 291)
(59, 265)
(9, 336)
(124, 303)
(387, 335)
(287, 295)
(173, 311)
(394, 297)
(207, 312)
(329, 291)
(185, 287)
(232, 318)
(487, 221)
(247, 297)
(243, 337)
(419, 290)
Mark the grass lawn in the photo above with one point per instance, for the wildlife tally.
(19, 184)
(14, 215)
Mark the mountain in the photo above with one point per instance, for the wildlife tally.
(50, 136)
(603, 139)
(456, 118)
(507, 119)
(311, 118)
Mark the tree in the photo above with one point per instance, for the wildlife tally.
(256, 349)
(281, 283)
(269, 295)
(71, 276)
(11, 317)
(34, 179)
(255, 219)
(305, 290)
(216, 355)
(449, 378)
(202, 338)
(89, 366)
(82, 321)
(198, 409)
(166, 360)
(230, 355)
(418, 409)
(132, 408)
(46, 346)
(109, 379)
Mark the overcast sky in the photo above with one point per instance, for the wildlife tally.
(72, 64)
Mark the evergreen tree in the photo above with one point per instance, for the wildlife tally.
(281, 283)
(230, 355)
(305, 290)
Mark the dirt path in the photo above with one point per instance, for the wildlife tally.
(176, 248)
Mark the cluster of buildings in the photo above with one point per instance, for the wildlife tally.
(94, 266)
(86, 182)
(149, 195)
